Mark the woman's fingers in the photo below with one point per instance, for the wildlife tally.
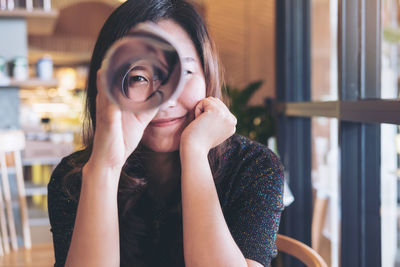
(101, 92)
(200, 107)
(206, 104)
(223, 108)
(213, 103)
(106, 111)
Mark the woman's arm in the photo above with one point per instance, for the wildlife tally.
(206, 237)
(253, 223)
(95, 240)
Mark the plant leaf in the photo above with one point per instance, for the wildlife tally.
(247, 92)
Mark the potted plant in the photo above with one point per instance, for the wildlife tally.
(255, 122)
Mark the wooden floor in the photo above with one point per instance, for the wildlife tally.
(41, 255)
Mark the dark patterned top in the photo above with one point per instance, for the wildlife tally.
(250, 194)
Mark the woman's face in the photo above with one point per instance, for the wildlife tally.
(164, 131)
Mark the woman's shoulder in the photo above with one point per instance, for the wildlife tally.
(250, 167)
(246, 152)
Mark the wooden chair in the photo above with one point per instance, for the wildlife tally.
(11, 145)
(319, 216)
(300, 251)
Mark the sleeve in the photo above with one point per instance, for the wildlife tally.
(62, 213)
(254, 216)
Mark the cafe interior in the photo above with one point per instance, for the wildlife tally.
(317, 81)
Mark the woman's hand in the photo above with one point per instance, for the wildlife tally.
(213, 124)
(117, 133)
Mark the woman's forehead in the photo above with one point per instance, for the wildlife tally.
(181, 38)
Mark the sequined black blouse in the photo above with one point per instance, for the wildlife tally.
(250, 194)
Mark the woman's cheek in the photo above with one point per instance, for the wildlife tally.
(194, 91)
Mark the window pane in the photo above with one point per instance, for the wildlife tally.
(390, 50)
(324, 75)
(325, 181)
(390, 200)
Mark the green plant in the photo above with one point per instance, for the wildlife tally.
(255, 122)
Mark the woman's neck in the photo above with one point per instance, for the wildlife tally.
(162, 169)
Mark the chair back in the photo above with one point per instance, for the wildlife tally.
(11, 145)
(300, 251)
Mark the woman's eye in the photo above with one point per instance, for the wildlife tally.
(137, 78)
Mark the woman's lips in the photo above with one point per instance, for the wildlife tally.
(166, 122)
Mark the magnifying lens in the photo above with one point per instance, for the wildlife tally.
(142, 70)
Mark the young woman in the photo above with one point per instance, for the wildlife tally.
(172, 186)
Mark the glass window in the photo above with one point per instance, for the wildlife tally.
(326, 193)
(324, 68)
(390, 200)
(390, 49)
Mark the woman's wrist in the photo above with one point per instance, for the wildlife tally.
(103, 160)
(187, 149)
(101, 174)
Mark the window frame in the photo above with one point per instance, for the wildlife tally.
(359, 76)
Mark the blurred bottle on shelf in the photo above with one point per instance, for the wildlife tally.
(47, 5)
(4, 79)
(29, 5)
(10, 4)
(2, 67)
(20, 68)
(3, 4)
(44, 68)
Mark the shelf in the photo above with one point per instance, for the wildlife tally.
(39, 22)
(60, 58)
(45, 152)
(29, 83)
(39, 221)
(32, 189)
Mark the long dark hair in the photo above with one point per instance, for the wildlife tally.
(133, 181)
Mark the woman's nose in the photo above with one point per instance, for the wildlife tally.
(168, 104)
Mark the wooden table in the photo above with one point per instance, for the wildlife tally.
(41, 255)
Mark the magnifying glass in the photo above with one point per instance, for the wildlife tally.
(143, 70)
